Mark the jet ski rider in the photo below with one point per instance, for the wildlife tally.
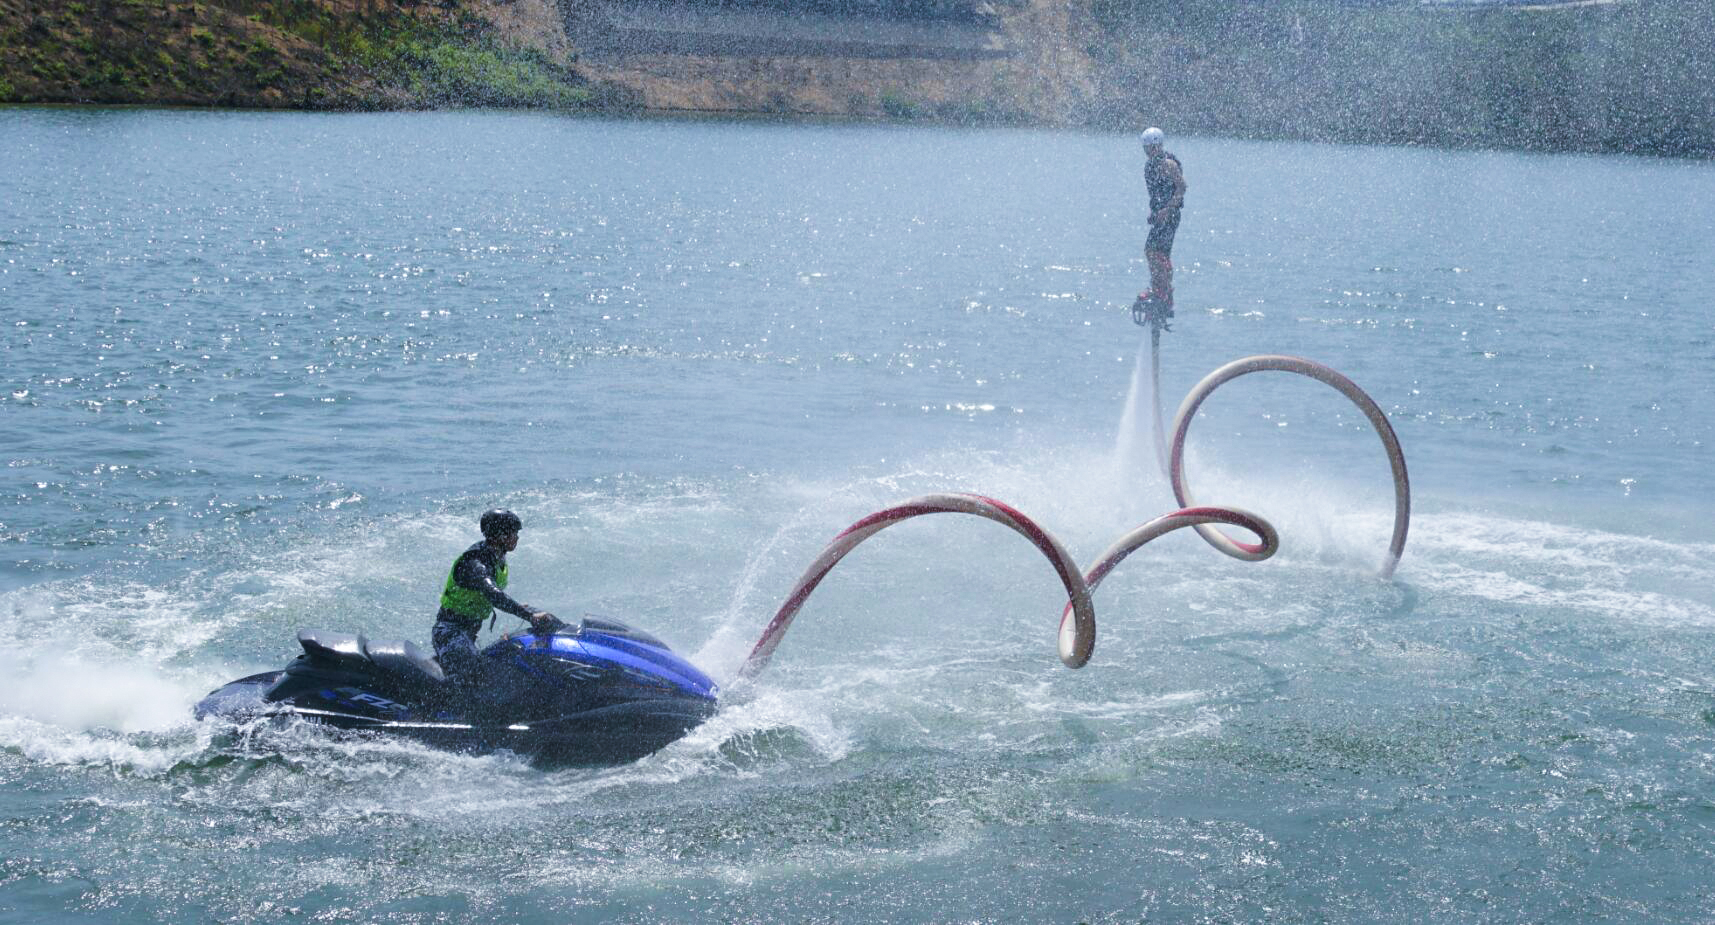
(476, 587)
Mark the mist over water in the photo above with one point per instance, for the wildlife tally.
(261, 372)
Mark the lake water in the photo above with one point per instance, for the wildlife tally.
(262, 371)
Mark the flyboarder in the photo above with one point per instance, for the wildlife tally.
(1166, 183)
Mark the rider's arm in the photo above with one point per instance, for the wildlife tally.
(1178, 176)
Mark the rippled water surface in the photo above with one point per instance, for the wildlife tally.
(261, 371)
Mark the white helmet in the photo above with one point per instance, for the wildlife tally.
(1153, 136)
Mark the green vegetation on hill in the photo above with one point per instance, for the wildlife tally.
(269, 53)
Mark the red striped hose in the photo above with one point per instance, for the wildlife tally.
(1237, 368)
(1077, 636)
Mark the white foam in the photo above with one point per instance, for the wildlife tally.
(68, 692)
(1560, 547)
(54, 745)
(124, 621)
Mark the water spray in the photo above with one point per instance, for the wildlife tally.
(618, 694)
(1077, 630)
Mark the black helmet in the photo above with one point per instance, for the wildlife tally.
(499, 522)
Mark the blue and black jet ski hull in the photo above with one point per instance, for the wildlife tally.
(597, 694)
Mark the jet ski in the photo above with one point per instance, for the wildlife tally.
(595, 693)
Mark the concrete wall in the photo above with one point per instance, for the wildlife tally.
(764, 28)
(955, 60)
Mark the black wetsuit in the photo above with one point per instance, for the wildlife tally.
(454, 635)
(1161, 190)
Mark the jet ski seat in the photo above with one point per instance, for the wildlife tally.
(396, 656)
(334, 647)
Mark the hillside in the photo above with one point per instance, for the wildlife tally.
(346, 54)
(277, 54)
(1629, 75)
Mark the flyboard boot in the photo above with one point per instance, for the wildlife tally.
(1149, 310)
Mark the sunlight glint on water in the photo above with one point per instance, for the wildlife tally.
(261, 372)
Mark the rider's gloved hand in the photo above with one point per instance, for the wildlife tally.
(543, 622)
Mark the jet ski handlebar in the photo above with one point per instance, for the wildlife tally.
(550, 624)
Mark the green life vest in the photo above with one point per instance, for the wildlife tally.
(466, 603)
